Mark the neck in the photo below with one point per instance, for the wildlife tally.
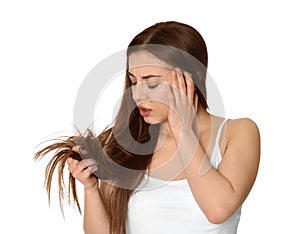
(204, 119)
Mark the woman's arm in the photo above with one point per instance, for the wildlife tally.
(95, 216)
(219, 193)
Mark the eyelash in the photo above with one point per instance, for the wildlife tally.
(152, 86)
(149, 86)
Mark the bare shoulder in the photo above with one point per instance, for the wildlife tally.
(242, 142)
(242, 127)
(242, 139)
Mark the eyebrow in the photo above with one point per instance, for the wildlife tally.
(144, 77)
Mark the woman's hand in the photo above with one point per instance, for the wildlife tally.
(83, 170)
(183, 103)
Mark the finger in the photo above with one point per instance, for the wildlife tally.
(69, 160)
(189, 87)
(93, 168)
(84, 164)
(89, 170)
(196, 101)
(181, 81)
(76, 148)
(78, 168)
(90, 162)
(85, 174)
(175, 79)
(72, 164)
(171, 97)
(72, 161)
(175, 87)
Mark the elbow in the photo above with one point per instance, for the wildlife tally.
(217, 216)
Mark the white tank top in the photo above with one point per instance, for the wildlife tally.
(160, 207)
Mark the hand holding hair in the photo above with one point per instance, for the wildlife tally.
(83, 170)
(84, 163)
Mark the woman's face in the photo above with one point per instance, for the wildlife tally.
(150, 77)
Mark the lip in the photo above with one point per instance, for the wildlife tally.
(144, 111)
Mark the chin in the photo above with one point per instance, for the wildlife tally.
(153, 120)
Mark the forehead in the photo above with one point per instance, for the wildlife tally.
(146, 60)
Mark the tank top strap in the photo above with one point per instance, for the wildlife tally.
(216, 154)
(219, 132)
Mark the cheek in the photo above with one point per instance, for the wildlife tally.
(160, 95)
(161, 109)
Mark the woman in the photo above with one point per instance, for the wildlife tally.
(192, 170)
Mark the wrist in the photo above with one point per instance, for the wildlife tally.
(187, 137)
(188, 143)
(91, 188)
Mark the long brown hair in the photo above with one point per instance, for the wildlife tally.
(170, 34)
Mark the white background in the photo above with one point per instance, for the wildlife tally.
(48, 47)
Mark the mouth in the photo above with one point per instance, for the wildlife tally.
(144, 111)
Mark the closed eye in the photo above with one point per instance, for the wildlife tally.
(145, 77)
(152, 86)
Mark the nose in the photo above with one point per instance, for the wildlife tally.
(139, 92)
